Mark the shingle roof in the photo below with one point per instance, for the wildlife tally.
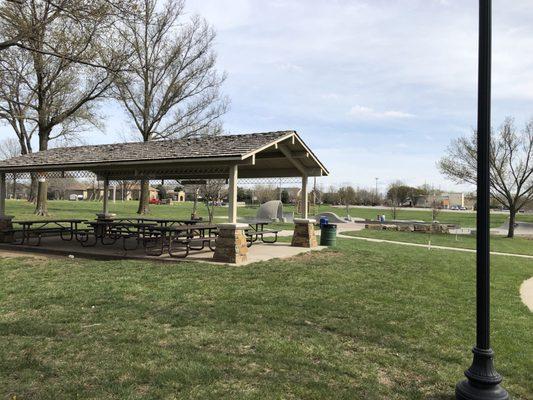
(190, 148)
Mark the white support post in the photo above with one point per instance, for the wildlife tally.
(232, 193)
(106, 196)
(2, 195)
(114, 193)
(305, 198)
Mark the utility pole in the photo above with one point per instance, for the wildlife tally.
(376, 193)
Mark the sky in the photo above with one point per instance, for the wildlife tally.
(377, 88)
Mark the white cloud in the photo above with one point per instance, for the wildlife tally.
(363, 75)
(367, 112)
(290, 67)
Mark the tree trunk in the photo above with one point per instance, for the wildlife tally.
(42, 188)
(512, 221)
(210, 211)
(32, 196)
(194, 214)
(42, 205)
(144, 198)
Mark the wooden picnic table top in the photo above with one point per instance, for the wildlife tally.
(49, 221)
(184, 227)
(118, 223)
(257, 222)
(168, 220)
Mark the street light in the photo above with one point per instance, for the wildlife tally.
(483, 382)
(376, 199)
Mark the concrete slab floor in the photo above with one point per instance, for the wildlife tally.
(53, 247)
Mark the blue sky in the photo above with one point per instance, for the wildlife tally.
(378, 88)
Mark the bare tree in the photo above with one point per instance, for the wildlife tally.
(435, 207)
(211, 193)
(16, 97)
(511, 166)
(393, 199)
(17, 31)
(265, 193)
(347, 197)
(10, 148)
(170, 87)
(64, 90)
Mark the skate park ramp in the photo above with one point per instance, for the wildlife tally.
(271, 210)
(520, 228)
(332, 218)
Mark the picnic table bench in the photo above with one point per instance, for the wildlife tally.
(65, 228)
(257, 232)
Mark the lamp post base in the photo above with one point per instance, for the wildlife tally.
(483, 382)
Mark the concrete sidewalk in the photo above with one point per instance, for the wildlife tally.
(431, 247)
(526, 293)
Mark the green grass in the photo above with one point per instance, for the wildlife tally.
(462, 218)
(517, 245)
(363, 321)
(22, 210)
(87, 209)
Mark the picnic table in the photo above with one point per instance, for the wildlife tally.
(257, 232)
(108, 232)
(179, 240)
(38, 228)
(162, 221)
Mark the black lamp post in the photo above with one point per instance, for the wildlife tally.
(483, 382)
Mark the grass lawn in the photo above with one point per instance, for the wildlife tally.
(517, 245)
(363, 321)
(465, 219)
(22, 209)
(87, 209)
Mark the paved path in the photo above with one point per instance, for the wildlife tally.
(346, 227)
(526, 293)
(427, 246)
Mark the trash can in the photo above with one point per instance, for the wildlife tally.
(323, 221)
(328, 235)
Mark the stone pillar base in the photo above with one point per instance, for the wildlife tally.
(231, 246)
(105, 217)
(304, 233)
(6, 224)
(100, 229)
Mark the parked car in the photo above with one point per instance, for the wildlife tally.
(155, 201)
